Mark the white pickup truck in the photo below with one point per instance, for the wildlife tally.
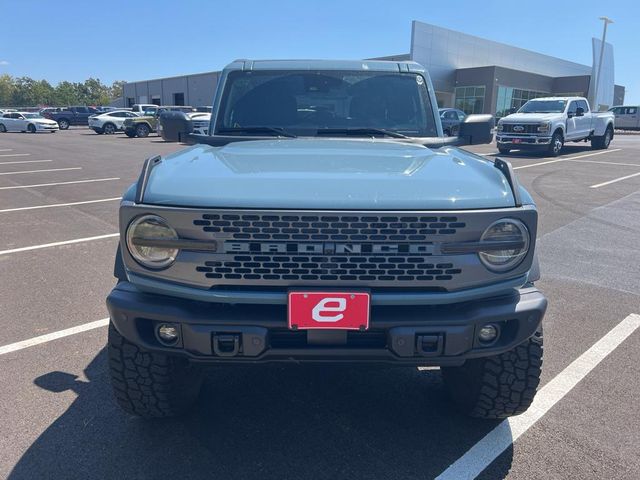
(548, 123)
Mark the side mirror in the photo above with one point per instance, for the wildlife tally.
(476, 129)
(579, 112)
(175, 126)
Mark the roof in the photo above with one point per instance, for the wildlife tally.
(364, 65)
(559, 98)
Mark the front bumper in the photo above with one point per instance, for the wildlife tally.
(410, 335)
(46, 128)
(522, 141)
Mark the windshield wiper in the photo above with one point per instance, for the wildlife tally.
(360, 131)
(281, 132)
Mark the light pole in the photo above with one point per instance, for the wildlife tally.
(606, 21)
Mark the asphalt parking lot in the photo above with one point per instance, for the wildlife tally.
(58, 216)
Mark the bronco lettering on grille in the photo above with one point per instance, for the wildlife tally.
(328, 248)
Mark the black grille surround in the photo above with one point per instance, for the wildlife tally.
(527, 128)
(253, 253)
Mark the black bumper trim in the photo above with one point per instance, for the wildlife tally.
(397, 334)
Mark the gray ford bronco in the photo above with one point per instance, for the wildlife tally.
(325, 218)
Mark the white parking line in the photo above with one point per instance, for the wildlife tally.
(60, 205)
(60, 183)
(614, 180)
(25, 161)
(57, 244)
(40, 171)
(15, 155)
(6, 149)
(480, 456)
(567, 158)
(607, 163)
(12, 347)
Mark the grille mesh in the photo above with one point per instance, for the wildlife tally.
(374, 228)
(528, 128)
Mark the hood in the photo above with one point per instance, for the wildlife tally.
(349, 174)
(45, 121)
(530, 117)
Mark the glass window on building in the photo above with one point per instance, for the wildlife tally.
(511, 99)
(470, 99)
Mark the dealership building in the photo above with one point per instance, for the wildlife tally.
(470, 73)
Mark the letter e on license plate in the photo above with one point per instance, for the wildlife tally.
(328, 310)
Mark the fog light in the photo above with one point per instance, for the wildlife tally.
(488, 333)
(168, 334)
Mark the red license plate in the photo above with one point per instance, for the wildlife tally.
(328, 310)
(516, 140)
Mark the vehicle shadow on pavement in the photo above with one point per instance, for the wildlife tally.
(262, 422)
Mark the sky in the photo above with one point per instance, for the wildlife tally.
(142, 39)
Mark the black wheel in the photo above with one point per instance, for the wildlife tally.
(603, 142)
(557, 142)
(129, 133)
(63, 123)
(142, 130)
(504, 150)
(151, 385)
(109, 128)
(498, 386)
(31, 128)
(3, 129)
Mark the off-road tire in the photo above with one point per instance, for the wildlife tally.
(143, 130)
(602, 142)
(557, 142)
(63, 124)
(149, 384)
(499, 386)
(130, 134)
(504, 150)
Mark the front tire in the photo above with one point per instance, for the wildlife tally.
(149, 384)
(142, 131)
(603, 142)
(109, 128)
(130, 133)
(31, 128)
(557, 142)
(499, 386)
(504, 150)
(63, 124)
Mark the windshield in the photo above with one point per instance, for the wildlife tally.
(325, 102)
(32, 115)
(543, 106)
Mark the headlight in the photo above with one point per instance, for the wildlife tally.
(544, 127)
(145, 236)
(499, 127)
(509, 242)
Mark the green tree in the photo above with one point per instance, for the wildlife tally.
(6, 90)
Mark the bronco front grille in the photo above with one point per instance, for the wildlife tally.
(297, 248)
(377, 228)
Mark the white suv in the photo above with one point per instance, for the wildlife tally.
(109, 122)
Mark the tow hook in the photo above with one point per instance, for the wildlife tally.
(429, 345)
(226, 344)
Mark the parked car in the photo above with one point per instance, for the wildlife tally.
(109, 122)
(627, 117)
(548, 123)
(325, 218)
(451, 119)
(7, 110)
(71, 116)
(148, 108)
(147, 122)
(44, 111)
(26, 122)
